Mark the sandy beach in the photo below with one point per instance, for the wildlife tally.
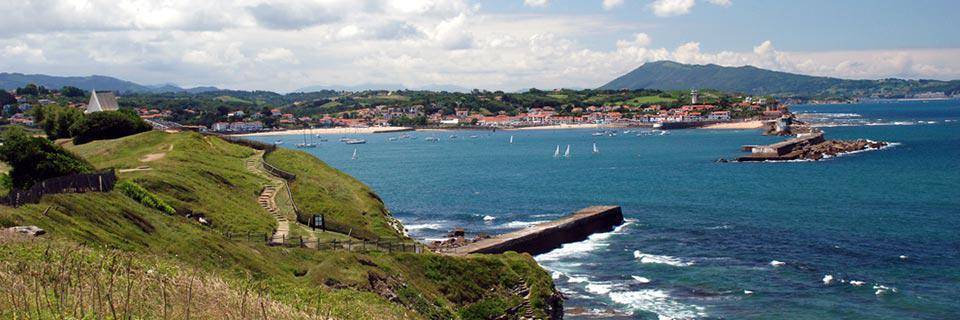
(331, 131)
(754, 124)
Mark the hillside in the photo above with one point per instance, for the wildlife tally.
(668, 75)
(10, 81)
(204, 176)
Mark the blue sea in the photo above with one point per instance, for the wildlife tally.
(871, 235)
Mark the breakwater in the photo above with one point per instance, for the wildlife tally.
(547, 236)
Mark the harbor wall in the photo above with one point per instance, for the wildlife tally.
(547, 236)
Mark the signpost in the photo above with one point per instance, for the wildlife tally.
(318, 222)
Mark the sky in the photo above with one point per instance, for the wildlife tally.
(509, 45)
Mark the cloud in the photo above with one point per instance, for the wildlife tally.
(277, 55)
(536, 3)
(610, 4)
(452, 33)
(292, 15)
(668, 8)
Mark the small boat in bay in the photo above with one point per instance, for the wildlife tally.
(566, 154)
(556, 153)
(511, 139)
(355, 141)
(595, 150)
(354, 157)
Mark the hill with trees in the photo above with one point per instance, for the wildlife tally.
(668, 75)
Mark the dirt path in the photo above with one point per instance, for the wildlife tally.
(268, 199)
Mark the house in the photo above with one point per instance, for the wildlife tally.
(102, 101)
(719, 116)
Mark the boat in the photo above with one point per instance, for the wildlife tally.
(595, 150)
(343, 139)
(556, 153)
(432, 139)
(392, 139)
(511, 139)
(354, 157)
(474, 136)
(566, 154)
(453, 136)
(627, 131)
(355, 141)
(597, 134)
(306, 144)
(278, 142)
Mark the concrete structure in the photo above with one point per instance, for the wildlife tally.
(102, 101)
(547, 236)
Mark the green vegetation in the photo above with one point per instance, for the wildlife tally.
(347, 204)
(206, 176)
(107, 125)
(144, 197)
(36, 159)
(57, 120)
(667, 75)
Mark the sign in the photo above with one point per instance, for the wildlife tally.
(318, 222)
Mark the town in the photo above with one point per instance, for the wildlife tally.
(246, 112)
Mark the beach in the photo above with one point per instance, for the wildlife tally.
(753, 124)
(331, 131)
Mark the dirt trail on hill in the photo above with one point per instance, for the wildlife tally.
(268, 196)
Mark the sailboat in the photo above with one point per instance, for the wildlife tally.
(556, 153)
(511, 139)
(566, 154)
(354, 157)
(306, 144)
(595, 150)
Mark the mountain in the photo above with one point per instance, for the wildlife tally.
(383, 86)
(669, 75)
(10, 81)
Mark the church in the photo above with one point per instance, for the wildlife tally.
(102, 101)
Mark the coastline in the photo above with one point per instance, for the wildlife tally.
(560, 126)
(366, 130)
(743, 125)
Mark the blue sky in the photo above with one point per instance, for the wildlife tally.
(499, 44)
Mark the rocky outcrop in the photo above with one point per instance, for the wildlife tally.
(27, 230)
(818, 151)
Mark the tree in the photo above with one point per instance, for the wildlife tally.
(56, 120)
(108, 125)
(28, 90)
(6, 98)
(37, 159)
(72, 92)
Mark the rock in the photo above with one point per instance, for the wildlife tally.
(458, 232)
(28, 230)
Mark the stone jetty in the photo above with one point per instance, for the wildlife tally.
(547, 236)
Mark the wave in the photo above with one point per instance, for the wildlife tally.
(522, 224)
(433, 226)
(659, 302)
(575, 249)
(489, 218)
(827, 115)
(895, 123)
(600, 288)
(889, 145)
(640, 279)
(660, 259)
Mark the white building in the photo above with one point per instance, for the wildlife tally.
(102, 101)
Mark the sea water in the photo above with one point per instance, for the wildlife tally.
(873, 235)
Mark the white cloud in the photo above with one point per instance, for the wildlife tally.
(668, 8)
(536, 3)
(277, 55)
(610, 4)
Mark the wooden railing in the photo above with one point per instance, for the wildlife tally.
(74, 183)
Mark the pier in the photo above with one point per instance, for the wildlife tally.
(547, 236)
(784, 150)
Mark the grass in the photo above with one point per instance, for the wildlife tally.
(235, 100)
(321, 189)
(205, 175)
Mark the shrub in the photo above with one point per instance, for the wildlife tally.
(57, 120)
(36, 159)
(108, 125)
(144, 197)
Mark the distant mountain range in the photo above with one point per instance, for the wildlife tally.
(10, 81)
(375, 86)
(668, 75)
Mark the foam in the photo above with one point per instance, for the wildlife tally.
(640, 279)
(435, 226)
(827, 279)
(489, 218)
(577, 279)
(660, 259)
(576, 249)
(659, 302)
(857, 283)
(522, 224)
(600, 288)
(776, 263)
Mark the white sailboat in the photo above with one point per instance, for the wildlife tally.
(566, 154)
(556, 153)
(354, 157)
(511, 139)
(595, 150)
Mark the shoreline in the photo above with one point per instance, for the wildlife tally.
(742, 125)
(367, 130)
(561, 127)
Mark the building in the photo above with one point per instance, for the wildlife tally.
(102, 101)
(694, 96)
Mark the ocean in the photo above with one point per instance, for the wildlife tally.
(871, 235)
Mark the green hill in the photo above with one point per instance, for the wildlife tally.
(668, 75)
(106, 255)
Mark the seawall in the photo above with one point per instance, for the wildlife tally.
(547, 236)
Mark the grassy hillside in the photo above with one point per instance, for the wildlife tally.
(202, 175)
(345, 201)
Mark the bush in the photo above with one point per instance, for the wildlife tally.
(56, 120)
(36, 159)
(108, 125)
(144, 197)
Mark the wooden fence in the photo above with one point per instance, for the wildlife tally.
(74, 183)
(353, 245)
